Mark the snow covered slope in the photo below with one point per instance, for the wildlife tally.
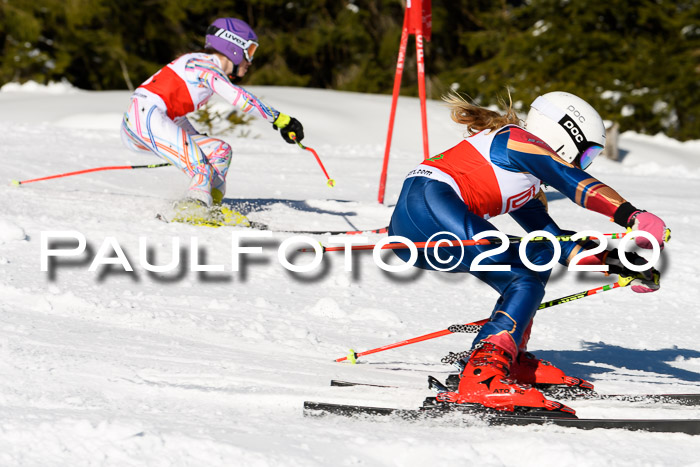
(212, 367)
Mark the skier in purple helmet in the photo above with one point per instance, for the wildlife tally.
(156, 120)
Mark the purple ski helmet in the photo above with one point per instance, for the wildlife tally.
(233, 38)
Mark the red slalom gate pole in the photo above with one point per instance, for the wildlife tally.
(420, 63)
(330, 182)
(97, 169)
(394, 100)
(417, 20)
(476, 326)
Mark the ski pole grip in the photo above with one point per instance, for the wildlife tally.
(293, 137)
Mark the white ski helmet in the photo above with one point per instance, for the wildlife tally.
(569, 125)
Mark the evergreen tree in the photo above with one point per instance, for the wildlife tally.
(638, 61)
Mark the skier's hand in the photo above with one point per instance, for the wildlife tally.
(287, 125)
(639, 281)
(642, 220)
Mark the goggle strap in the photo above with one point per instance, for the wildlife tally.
(551, 111)
(548, 109)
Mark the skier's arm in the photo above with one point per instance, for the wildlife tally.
(522, 152)
(208, 74)
(534, 216)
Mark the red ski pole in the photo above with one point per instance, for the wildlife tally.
(330, 182)
(455, 243)
(352, 356)
(97, 169)
(475, 326)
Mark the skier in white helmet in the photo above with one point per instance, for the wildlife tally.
(569, 125)
(156, 120)
(497, 169)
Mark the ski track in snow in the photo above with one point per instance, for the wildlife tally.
(212, 368)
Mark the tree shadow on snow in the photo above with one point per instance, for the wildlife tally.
(575, 362)
(622, 154)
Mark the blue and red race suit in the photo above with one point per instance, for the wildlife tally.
(486, 175)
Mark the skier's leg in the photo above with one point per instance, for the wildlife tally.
(145, 125)
(427, 207)
(218, 153)
(522, 348)
(522, 292)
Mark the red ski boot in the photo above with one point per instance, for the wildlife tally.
(484, 381)
(529, 369)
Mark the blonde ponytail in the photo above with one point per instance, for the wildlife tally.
(478, 118)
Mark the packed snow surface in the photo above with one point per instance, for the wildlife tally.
(212, 366)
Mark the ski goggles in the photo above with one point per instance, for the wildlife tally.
(248, 46)
(585, 159)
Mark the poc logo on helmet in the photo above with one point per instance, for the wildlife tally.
(576, 113)
(574, 131)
